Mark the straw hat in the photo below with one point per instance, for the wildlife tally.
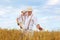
(29, 9)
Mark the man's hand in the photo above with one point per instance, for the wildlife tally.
(17, 23)
(38, 26)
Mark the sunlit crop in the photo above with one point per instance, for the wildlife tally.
(6, 34)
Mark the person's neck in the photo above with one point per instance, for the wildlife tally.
(23, 14)
(29, 15)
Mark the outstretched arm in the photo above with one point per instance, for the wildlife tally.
(39, 27)
(19, 23)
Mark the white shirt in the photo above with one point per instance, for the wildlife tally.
(26, 21)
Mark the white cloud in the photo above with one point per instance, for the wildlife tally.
(50, 18)
(3, 10)
(8, 10)
(57, 11)
(51, 3)
(47, 19)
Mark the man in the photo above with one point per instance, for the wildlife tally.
(21, 19)
(31, 20)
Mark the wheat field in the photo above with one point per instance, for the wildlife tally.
(13, 34)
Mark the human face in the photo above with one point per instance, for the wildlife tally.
(24, 12)
(29, 13)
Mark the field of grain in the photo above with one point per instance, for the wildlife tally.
(18, 35)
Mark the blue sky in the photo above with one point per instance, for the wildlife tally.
(47, 12)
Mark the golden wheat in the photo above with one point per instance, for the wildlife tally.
(18, 35)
